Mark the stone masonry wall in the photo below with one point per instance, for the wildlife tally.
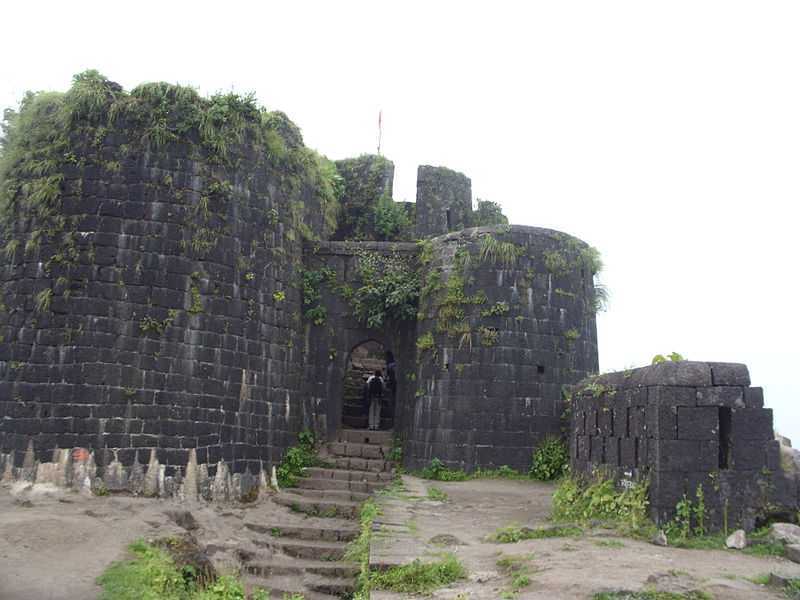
(684, 425)
(171, 331)
(506, 319)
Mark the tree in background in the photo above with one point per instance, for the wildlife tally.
(488, 213)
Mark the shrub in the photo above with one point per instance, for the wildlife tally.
(296, 459)
(439, 472)
(550, 460)
(599, 499)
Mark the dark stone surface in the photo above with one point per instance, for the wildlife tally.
(444, 201)
(488, 398)
(160, 342)
(705, 430)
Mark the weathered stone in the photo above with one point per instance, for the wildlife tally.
(660, 539)
(445, 539)
(793, 552)
(183, 518)
(737, 540)
(729, 374)
(190, 483)
(152, 477)
(785, 532)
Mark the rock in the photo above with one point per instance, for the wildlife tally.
(793, 552)
(183, 518)
(445, 539)
(777, 581)
(785, 532)
(483, 576)
(782, 440)
(660, 539)
(737, 540)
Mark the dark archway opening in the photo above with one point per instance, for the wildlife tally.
(364, 360)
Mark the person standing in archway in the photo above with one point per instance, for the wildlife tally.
(375, 396)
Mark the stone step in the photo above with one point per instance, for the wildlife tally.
(314, 483)
(360, 464)
(359, 420)
(283, 587)
(352, 450)
(346, 473)
(326, 534)
(319, 508)
(365, 436)
(329, 494)
(270, 567)
(311, 550)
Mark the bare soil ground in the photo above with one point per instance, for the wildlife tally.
(54, 544)
(572, 567)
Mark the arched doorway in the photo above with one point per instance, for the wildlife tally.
(364, 360)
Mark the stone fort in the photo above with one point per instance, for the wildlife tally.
(183, 281)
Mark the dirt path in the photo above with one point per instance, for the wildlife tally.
(55, 543)
(562, 567)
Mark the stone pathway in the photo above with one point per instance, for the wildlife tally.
(309, 558)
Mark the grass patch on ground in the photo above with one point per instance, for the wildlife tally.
(518, 567)
(514, 533)
(609, 543)
(358, 549)
(437, 471)
(152, 574)
(437, 495)
(759, 543)
(653, 595)
(419, 577)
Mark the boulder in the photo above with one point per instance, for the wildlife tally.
(660, 539)
(785, 532)
(737, 540)
(793, 552)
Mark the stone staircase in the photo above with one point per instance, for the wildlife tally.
(308, 558)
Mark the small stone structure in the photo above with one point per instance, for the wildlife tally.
(684, 426)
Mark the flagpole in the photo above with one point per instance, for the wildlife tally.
(380, 130)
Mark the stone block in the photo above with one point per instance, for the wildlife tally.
(612, 451)
(662, 422)
(596, 449)
(681, 373)
(684, 455)
(729, 374)
(751, 424)
(628, 455)
(754, 397)
(699, 423)
(730, 396)
(748, 455)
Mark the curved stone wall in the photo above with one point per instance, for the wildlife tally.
(506, 319)
(153, 301)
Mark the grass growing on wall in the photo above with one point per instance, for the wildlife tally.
(54, 132)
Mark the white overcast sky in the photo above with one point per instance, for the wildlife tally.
(666, 134)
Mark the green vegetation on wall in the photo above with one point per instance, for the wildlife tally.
(53, 132)
(389, 290)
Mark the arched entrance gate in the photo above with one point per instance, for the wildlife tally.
(366, 358)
